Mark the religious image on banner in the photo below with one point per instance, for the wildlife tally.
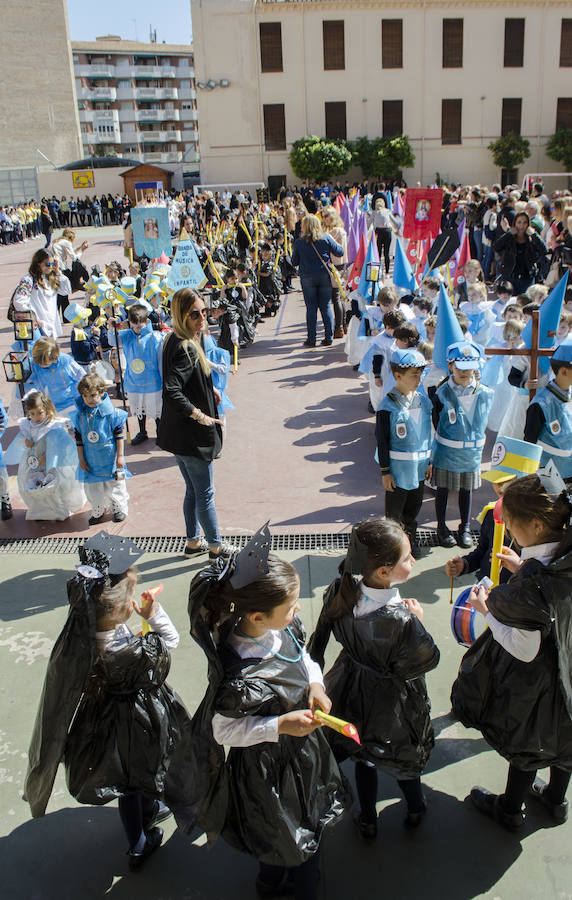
(422, 219)
(151, 232)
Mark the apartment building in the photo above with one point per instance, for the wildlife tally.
(451, 76)
(137, 99)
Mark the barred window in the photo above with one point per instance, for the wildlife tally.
(392, 43)
(513, 43)
(511, 115)
(336, 120)
(271, 47)
(452, 43)
(451, 112)
(274, 126)
(392, 118)
(334, 46)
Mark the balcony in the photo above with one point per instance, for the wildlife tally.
(161, 157)
(95, 71)
(190, 136)
(154, 72)
(155, 137)
(189, 115)
(99, 93)
(103, 137)
(187, 94)
(109, 116)
(131, 93)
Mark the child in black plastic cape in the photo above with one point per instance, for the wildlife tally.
(515, 682)
(106, 710)
(377, 682)
(280, 785)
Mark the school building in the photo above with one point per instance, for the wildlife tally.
(451, 76)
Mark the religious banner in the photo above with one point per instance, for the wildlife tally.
(151, 232)
(422, 213)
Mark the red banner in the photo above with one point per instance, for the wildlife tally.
(422, 213)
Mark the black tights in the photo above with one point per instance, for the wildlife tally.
(366, 784)
(136, 811)
(519, 782)
(465, 500)
(305, 877)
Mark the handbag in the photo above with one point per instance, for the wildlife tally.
(333, 280)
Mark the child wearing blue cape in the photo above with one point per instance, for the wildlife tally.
(279, 786)
(378, 681)
(219, 359)
(55, 374)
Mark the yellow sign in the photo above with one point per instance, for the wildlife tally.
(84, 179)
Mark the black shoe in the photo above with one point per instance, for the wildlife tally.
(6, 510)
(223, 551)
(196, 551)
(139, 438)
(414, 819)
(558, 811)
(284, 887)
(445, 538)
(416, 551)
(95, 520)
(119, 516)
(326, 342)
(491, 806)
(160, 813)
(309, 343)
(367, 830)
(356, 367)
(153, 841)
(370, 408)
(464, 538)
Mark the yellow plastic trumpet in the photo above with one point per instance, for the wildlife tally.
(345, 728)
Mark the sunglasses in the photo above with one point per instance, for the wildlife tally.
(195, 313)
(49, 264)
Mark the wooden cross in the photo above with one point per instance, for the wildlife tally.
(534, 352)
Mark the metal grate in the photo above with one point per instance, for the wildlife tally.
(280, 542)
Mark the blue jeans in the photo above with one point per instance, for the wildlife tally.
(317, 291)
(478, 239)
(198, 505)
(488, 255)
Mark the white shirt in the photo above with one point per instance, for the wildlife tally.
(523, 645)
(250, 730)
(375, 598)
(119, 636)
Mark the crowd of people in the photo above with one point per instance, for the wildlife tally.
(422, 355)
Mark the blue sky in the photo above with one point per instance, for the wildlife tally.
(131, 19)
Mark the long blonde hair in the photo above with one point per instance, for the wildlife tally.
(311, 228)
(181, 304)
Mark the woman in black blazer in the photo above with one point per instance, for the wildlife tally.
(189, 426)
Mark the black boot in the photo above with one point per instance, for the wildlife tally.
(142, 436)
(6, 509)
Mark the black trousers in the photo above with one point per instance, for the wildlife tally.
(383, 238)
(519, 782)
(404, 506)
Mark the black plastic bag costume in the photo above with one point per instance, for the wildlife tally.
(271, 800)
(126, 720)
(377, 683)
(524, 709)
(236, 314)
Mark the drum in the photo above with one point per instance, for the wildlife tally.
(463, 620)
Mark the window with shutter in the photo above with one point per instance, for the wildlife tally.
(334, 48)
(513, 43)
(392, 118)
(451, 111)
(271, 47)
(274, 126)
(336, 120)
(452, 43)
(511, 115)
(392, 43)
(566, 43)
(564, 113)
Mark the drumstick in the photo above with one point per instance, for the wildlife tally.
(451, 595)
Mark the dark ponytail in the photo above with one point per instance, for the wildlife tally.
(280, 584)
(384, 541)
(526, 499)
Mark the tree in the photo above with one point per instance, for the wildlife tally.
(509, 151)
(559, 147)
(317, 159)
(382, 156)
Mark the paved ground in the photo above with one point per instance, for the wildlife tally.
(298, 451)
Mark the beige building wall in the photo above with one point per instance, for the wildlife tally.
(37, 100)
(226, 41)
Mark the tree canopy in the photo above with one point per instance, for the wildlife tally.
(317, 159)
(509, 151)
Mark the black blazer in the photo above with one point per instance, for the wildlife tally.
(185, 386)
